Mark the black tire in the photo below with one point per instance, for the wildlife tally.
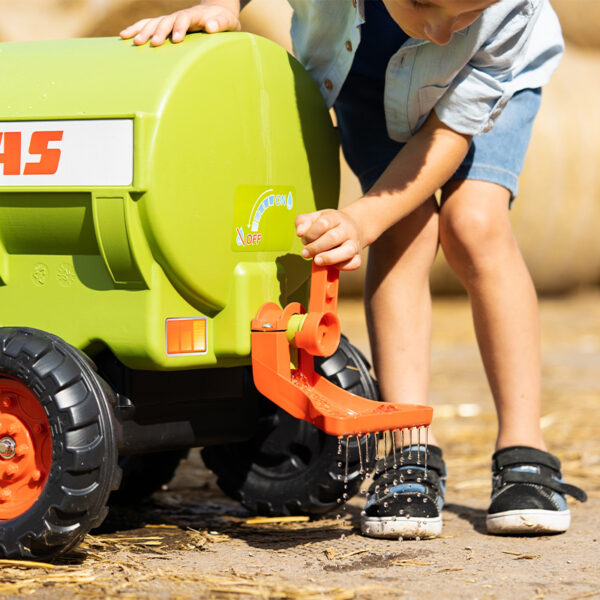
(144, 474)
(83, 469)
(291, 467)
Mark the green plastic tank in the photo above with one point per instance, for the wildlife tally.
(148, 195)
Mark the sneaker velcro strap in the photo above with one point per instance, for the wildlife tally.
(415, 459)
(400, 474)
(523, 455)
(544, 480)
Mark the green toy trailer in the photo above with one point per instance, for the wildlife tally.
(147, 203)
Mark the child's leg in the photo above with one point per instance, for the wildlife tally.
(398, 305)
(405, 499)
(477, 239)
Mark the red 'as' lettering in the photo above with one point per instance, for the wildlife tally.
(11, 157)
(49, 157)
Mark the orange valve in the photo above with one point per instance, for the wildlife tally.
(301, 391)
(25, 448)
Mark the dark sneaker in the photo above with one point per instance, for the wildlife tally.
(528, 493)
(406, 498)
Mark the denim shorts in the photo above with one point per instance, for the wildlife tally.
(496, 156)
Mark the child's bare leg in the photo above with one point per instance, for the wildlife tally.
(398, 305)
(477, 239)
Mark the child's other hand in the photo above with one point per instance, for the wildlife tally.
(208, 17)
(331, 237)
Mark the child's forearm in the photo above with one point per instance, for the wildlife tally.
(425, 164)
(427, 161)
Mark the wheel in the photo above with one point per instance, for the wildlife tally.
(58, 455)
(143, 474)
(290, 466)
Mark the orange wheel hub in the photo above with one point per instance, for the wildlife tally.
(25, 448)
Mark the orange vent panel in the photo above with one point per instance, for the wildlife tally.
(186, 336)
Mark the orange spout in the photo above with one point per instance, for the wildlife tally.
(301, 391)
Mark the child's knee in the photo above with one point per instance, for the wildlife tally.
(471, 233)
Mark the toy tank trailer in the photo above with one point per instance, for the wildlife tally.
(147, 203)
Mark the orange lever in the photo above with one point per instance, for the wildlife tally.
(302, 392)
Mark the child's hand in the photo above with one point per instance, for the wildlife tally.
(211, 18)
(332, 238)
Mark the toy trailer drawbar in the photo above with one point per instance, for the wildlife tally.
(147, 206)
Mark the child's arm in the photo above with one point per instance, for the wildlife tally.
(427, 161)
(211, 16)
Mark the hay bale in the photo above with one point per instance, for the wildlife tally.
(580, 20)
(46, 19)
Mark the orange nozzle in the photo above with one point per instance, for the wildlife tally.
(301, 391)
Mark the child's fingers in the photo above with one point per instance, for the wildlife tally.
(331, 238)
(351, 265)
(181, 26)
(345, 256)
(303, 222)
(322, 222)
(215, 19)
(147, 31)
(133, 29)
(162, 29)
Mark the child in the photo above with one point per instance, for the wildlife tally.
(417, 86)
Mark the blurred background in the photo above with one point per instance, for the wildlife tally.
(556, 219)
(557, 214)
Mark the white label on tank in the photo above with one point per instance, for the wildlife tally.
(96, 152)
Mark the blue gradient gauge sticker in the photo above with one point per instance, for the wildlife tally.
(263, 218)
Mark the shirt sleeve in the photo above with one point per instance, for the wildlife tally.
(479, 93)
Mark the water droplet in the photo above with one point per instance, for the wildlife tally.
(347, 461)
(360, 458)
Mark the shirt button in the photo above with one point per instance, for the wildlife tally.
(327, 83)
(349, 45)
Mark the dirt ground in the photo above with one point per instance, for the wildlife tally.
(189, 541)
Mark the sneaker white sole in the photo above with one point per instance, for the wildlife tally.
(530, 521)
(401, 527)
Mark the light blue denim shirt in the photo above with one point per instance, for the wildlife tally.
(513, 45)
